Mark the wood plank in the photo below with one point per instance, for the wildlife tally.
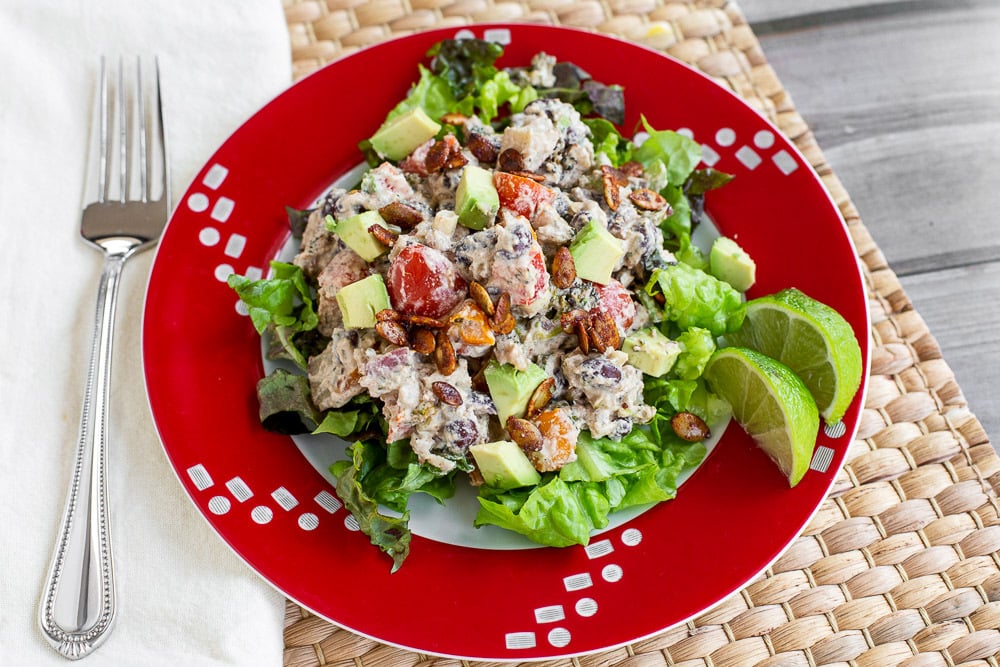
(962, 310)
(770, 16)
(914, 138)
(929, 196)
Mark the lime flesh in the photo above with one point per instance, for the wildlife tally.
(771, 403)
(812, 339)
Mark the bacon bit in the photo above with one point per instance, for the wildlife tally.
(454, 118)
(563, 268)
(472, 324)
(612, 194)
(400, 214)
(511, 160)
(394, 332)
(647, 199)
(444, 353)
(502, 321)
(481, 297)
(384, 236)
(424, 321)
(582, 337)
(446, 393)
(632, 169)
(437, 156)
(659, 298)
(482, 148)
(689, 427)
(388, 315)
(524, 433)
(422, 340)
(540, 398)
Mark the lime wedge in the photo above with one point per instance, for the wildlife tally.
(771, 403)
(812, 339)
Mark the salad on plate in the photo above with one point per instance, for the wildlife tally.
(508, 297)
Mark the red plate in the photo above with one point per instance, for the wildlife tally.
(202, 358)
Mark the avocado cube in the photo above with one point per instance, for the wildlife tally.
(476, 200)
(360, 300)
(398, 137)
(595, 252)
(504, 465)
(729, 262)
(651, 352)
(511, 389)
(354, 232)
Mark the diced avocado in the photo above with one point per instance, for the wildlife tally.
(729, 262)
(360, 300)
(595, 252)
(354, 232)
(510, 388)
(476, 200)
(651, 352)
(504, 465)
(397, 138)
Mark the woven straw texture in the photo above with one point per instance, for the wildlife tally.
(901, 565)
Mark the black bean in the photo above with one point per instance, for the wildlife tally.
(462, 433)
(600, 371)
(520, 241)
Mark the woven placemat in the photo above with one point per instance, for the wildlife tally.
(901, 565)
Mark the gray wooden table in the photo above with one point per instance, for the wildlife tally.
(904, 100)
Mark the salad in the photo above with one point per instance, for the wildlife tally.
(509, 298)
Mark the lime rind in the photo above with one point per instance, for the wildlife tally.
(812, 339)
(771, 403)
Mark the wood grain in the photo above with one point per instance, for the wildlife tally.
(910, 122)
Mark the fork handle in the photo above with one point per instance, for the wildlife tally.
(77, 609)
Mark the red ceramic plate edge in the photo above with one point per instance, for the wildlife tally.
(831, 473)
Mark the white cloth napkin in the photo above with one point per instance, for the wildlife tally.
(184, 597)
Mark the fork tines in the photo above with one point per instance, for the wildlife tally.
(128, 160)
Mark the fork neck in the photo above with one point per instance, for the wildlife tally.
(119, 246)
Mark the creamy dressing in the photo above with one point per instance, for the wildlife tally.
(598, 392)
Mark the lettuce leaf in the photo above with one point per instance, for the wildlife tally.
(390, 534)
(388, 475)
(608, 141)
(697, 346)
(462, 79)
(677, 154)
(431, 93)
(464, 63)
(599, 459)
(285, 404)
(697, 299)
(283, 302)
(556, 513)
(608, 475)
(702, 180)
(361, 414)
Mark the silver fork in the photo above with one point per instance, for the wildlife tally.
(128, 150)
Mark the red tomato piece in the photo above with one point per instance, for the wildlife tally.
(422, 281)
(542, 275)
(614, 299)
(520, 194)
